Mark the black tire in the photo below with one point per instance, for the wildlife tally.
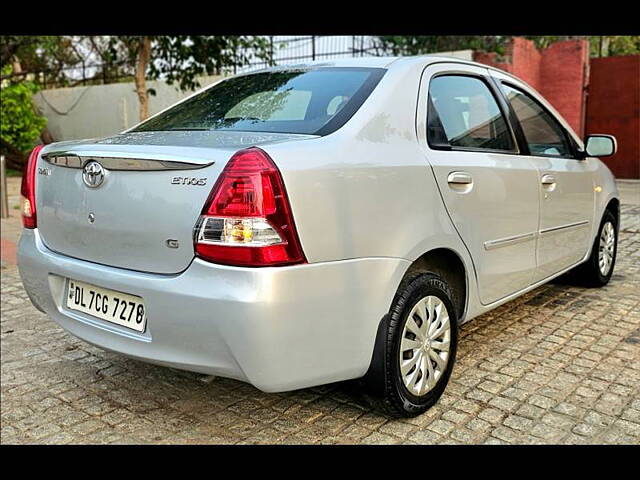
(384, 380)
(588, 274)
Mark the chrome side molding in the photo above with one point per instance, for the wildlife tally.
(503, 242)
(71, 160)
(564, 227)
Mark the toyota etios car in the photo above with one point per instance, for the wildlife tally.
(322, 222)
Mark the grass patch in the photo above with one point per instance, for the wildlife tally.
(13, 173)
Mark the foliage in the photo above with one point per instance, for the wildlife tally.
(21, 125)
(29, 54)
(28, 62)
(180, 59)
(423, 44)
(544, 41)
(599, 46)
(65, 60)
(607, 46)
(418, 45)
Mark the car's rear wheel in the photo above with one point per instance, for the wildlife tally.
(417, 348)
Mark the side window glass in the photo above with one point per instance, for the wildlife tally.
(463, 113)
(544, 135)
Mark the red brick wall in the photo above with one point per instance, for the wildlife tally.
(564, 73)
(613, 107)
(558, 72)
(526, 61)
(522, 59)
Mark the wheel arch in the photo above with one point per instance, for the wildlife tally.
(614, 207)
(444, 262)
(448, 264)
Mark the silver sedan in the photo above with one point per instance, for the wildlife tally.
(316, 223)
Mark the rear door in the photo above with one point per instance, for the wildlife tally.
(490, 192)
(565, 182)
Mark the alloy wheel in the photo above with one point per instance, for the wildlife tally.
(606, 248)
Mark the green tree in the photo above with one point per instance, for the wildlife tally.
(21, 125)
(40, 59)
(34, 60)
(606, 46)
(31, 62)
(180, 59)
(424, 44)
(600, 46)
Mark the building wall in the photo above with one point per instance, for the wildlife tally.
(98, 111)
(521, 58)
(564, 74)
(601, 95)
(559, 73)
(613, 107)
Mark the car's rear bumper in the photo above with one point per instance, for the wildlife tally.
(278, 328)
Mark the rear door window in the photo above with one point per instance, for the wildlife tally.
(464, 114)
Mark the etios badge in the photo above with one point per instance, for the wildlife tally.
(93, 174)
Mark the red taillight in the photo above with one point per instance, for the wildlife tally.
(28, 190)
(247, 219)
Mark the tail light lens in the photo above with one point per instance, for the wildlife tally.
(247, 219)
(28, 190)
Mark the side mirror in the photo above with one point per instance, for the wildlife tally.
(600, 145)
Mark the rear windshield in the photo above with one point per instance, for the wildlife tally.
(314, 102)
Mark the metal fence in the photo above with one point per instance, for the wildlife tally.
(287, 50)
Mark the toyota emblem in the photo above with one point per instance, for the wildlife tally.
(93, 174)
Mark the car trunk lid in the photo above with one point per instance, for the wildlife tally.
(141, 215)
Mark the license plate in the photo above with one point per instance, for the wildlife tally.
(115, 307)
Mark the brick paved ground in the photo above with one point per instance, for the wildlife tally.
(11, 227)
(559, 365)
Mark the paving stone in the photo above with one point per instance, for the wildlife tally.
(517, 422)
(441, 427)
(558, 365)
(426, 437)
(377, 438)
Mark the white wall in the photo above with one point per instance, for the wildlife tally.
(102, 110)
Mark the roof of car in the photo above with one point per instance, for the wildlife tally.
(372, 62)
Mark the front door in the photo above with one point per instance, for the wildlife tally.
(490, 192)
(565, 185)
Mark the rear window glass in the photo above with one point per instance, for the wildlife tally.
(291, 101)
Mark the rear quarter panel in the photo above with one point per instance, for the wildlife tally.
(367, 190)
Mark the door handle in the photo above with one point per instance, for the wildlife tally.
(548, 180)
(460, 178)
